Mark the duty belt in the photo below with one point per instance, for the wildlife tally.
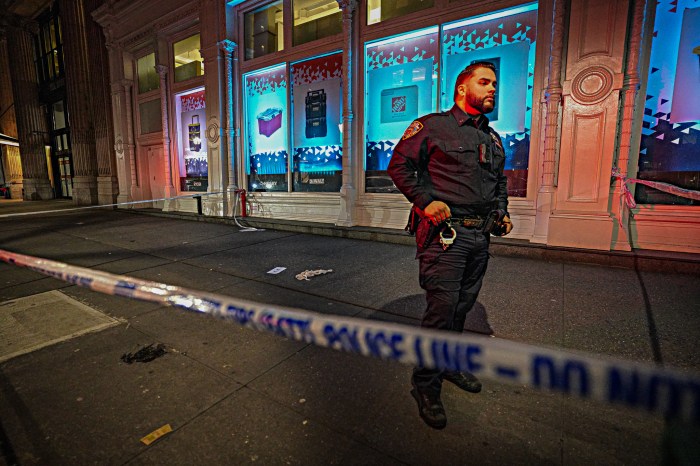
(468, 222)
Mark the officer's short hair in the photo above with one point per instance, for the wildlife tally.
(469, 70)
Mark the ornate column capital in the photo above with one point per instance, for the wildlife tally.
(228, 46)
(127, 83)
(162, 71)
(348, 6)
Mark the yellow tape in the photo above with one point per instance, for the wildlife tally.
(156, 434)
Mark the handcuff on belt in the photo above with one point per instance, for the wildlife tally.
(446, 241)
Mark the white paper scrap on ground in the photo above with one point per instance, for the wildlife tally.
(277, 270)
(311, 273)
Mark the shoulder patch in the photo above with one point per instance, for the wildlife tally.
(412, 130)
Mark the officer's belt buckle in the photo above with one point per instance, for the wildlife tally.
(469, 222)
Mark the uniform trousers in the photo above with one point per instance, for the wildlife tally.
(451, 279)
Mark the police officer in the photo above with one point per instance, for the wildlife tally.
(450, 166)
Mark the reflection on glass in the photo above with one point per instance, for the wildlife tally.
(264, 31)
(150, 117)
(316, 19)
(381, 10)
(670, 142)
(188, 61)
(146, 71)
(266, 122)
(316, 123)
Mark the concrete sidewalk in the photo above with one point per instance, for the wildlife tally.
(236, 396)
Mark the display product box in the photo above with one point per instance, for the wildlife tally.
(399, 104)
(269, 121)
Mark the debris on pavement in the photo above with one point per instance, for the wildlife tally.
(306, 274)
(156, 434)
(145, 354)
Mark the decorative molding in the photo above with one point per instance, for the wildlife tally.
(213, 132)
(592, 84)
(119, 146)
(167, 21)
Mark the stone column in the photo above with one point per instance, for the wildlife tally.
(351, 163)
(11, 162)
(630, 86)
(552, 104)
(80, 107)
(162, 71)
(31, 121)
(229, 48)
(107, 185)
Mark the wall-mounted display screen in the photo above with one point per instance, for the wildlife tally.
(400, 86)
(670, 145)
(316, 123)
(193, 162)
(266, 119)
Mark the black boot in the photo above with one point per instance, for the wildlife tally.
(464, 380)
(430, 408)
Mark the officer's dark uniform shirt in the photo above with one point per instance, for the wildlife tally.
(445, 149)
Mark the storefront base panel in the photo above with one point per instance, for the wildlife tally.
(107, 189)
(383, 211)
(580, 231)
(295, 206)
(677, 231)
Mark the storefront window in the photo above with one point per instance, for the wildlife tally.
(193, 165)
(316, 123)
(381, 10)
(400, 85)
(150, 117)
(316, 19)
(671, 127)
(265, 110)
(146, 71)
(506, 39)
(188, 61)
(264, 31)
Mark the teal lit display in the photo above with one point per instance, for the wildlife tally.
(405, 73)
(670, 144)
(266, 119)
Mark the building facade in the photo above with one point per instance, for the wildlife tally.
(300, 102)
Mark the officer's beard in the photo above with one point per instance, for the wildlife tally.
(481, 104)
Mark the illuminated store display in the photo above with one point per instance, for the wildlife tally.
(402, 82)
(316, 123)
(266, 126)
(400, 86)
(506, 39)
(193, 165)
(670, 145)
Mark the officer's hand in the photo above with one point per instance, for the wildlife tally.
(507, 224)
(437, 212)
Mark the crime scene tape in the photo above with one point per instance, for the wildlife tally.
(102, 206)
(663, 391)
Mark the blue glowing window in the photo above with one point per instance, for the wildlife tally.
(265, 109)
(670, 143)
